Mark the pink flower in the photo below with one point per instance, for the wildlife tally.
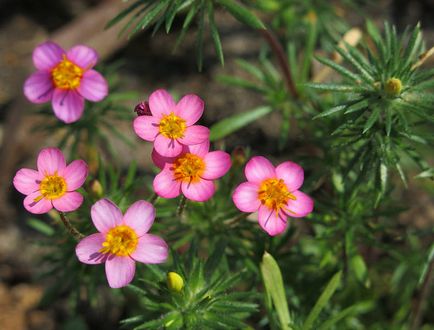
(121, 241)
(171, 125)
(273, 192)
(65, 79)
(53, 184)
(191, 173)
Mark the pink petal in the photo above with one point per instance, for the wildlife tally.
(302, 206)
(68, 202)
(93, 86)
(47, 55)
(119, 271)
(68, 105)
(217, 163)
(245, 197)
(270, 222)
(292, 174)
(87, 250)
(27, 181)
(199, 191)
(151, 250)
(39, 88)
(75, 174)
(199, 149)
(190, 108)
(140, 216)
(146, 127)
(167, 147)
(50, 161)
(165, 185)
(161, 103)
(259, 169)
(40, 206)
(84, 56)
(195, 134)
(105, 215)
(161, 161)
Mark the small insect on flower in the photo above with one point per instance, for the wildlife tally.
(171, 125)
(53, 184)
(273, 193)
(193, 172)
(66, 79)
(122, 241)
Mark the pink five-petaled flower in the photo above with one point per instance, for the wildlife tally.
(171, 125)
(121, 241)
(53, 184)
(273, 192)
(65, 78)
(191, 173)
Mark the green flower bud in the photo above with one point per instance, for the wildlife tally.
(175, 282)
(393, 87)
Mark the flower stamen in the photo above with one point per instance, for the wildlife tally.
(52, 187)
(274, 194)
(67, 75)
(188, 168)
(120, 241)
(172, 126)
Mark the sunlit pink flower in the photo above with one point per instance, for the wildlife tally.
(53, 184)
(65, 79)
(273, 193)
(171, 125)
(121, 241)
(193, 172)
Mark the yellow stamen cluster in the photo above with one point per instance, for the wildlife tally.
(274, 194)
(393, 87)
(172, 126)
(52, 187)
(67, 75)
(121, 241)
(188, 168)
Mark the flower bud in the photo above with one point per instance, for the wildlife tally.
(142, 109)
(393, 87)
(96, 189)
(238, 156)
(175, 283)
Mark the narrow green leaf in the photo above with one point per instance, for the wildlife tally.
(331, 111)
(171, 13)
(150, 16)
(235, 122)
(242, 14)
(250, 68)
(40, 226)
(360, 270)
(199, 39)
(338, 68)
(429, 173)
(215, 34)
(122, 14)
(333, 87)
(371, 120)
(354, 310)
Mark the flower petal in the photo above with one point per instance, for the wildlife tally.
(84, 56)
(151, 249)
(93, 86)
(39, 88)
(68, 202)
(87, 250)
(259, 169)
(292, 174)
(167, 147)
(161, 161)
(217, 163)
(105, 215)
(119, 271)
(36, 204)
(161, 103)
(199, 191)
(165, 185)
(190, 108)
(245, 197)
(270, 222)
(27, 181)
(47, 55)
(68, 105)
(50, 161)
(146, 127)
(302, 206)
(195, 134)
(199, 149)
(75, 174)
(140, 216)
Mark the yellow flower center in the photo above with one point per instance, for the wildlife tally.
(274, 194)
(172, 126)
(52, 187)
(67, 75)
(188, 168)
(121, 241)
(393, 87)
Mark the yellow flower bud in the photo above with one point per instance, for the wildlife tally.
(393, 87)
(96, 189)
(175, 282)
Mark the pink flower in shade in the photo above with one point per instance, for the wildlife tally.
(53, 184)
(65, 79)
(191, 173)
(122, 240)
(171, 125)
(273, 192)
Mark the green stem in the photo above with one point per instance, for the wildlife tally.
(181, 206)
(71, 229)
(153, 199)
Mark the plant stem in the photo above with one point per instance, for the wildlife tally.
(153, 199)
(232, 222)
(181, 206)
(71, 229)
(278, 51)
(422, 297)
